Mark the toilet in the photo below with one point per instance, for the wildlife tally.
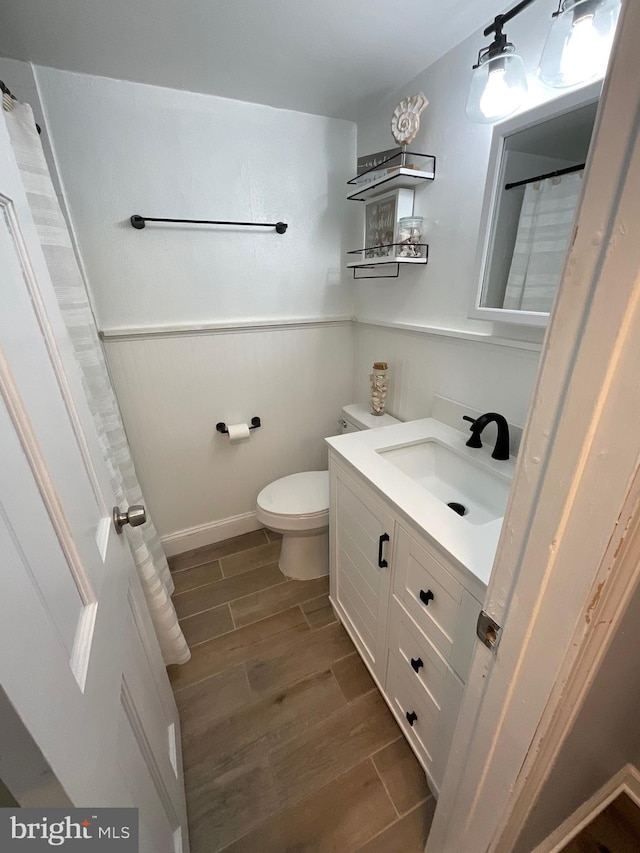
(297, 506)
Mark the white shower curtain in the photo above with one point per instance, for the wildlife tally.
(542, 242)
(74, 303)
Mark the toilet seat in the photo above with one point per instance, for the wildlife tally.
(296, 502)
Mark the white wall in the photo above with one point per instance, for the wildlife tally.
(438, 294)
(603, 739)
(124, 148)
(485, 376)
(173, 391)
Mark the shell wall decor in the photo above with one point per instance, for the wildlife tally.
(405, 121)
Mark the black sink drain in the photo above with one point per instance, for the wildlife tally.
(456, 507)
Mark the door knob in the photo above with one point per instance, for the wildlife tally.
(135, 516)
(411, 717)
(416, 663)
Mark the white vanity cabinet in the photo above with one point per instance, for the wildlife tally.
(410, 612)
(361, 543)
(431, 639)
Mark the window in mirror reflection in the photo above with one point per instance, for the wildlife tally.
(540, 187)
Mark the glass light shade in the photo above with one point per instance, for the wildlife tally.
(498, 87)
(579, 42)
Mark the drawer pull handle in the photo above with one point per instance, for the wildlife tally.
(382, 564)
(416, 663)
(411, 717)
(426, 597)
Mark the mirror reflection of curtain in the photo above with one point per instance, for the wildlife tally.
(542, 241)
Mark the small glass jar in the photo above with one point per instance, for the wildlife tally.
(409, 237)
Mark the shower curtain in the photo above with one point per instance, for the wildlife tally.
(542, 242)
(72, 298)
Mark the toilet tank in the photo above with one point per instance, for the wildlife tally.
(357, 416)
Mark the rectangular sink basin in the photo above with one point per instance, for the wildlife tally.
(480, 494)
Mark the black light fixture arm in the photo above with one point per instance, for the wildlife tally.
(501, 20)
(500, 44)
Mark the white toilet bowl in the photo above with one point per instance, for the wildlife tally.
(297, 506)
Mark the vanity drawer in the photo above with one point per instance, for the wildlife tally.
(443, 609)
(432, 730)
(427, 590)
(416, 712)
(416, 656)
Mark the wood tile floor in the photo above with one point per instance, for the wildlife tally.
(287, 744)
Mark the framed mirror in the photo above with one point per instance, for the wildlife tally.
(534, 185)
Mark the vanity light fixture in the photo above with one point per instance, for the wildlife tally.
(499, 82)
(576, 50)
(579, 42)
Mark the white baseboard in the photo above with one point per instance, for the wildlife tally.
(207, 534)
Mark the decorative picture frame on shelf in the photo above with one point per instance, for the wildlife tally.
(381, 223)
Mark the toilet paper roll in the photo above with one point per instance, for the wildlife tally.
(238, 433)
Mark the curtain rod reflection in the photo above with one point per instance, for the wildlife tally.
(8, 98)
(555, 174)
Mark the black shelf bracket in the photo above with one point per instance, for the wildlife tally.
(400, 153)
(374, 266)
(377, 261)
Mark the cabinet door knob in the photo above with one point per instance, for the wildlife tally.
(382, 564)
(416, 663)
(426, 597)
(411, 717)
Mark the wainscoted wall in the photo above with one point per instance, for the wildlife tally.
(436, 298)
(126, 148)
(123, 148)
(172, 392)
(486, 376)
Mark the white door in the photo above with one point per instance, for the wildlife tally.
(559, 587)
(79, 661)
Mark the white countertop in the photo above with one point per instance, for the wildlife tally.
(472, 546)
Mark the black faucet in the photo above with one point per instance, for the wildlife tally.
(501, 450)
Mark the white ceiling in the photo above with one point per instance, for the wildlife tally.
(330, 57)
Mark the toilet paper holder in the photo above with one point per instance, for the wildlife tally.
(222, 427)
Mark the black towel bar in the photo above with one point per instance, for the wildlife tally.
(139, 222)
